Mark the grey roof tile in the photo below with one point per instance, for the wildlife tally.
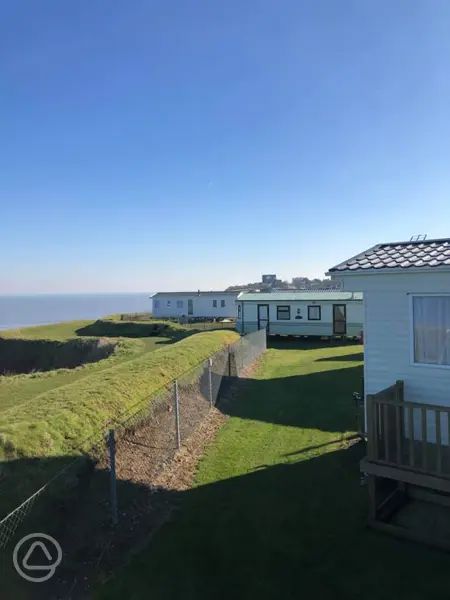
(400, 255)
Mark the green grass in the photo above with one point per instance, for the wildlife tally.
(277, 510)
(18, 389)
(56, 331)
(59, 419)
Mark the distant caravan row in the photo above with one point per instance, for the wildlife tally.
(302, 313)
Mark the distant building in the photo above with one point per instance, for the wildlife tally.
(269, 279)
(195, 305)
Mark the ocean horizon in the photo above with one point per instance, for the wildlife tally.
(26, 310)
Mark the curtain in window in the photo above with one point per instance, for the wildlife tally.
(432, 329)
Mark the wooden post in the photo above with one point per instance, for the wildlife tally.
(372, 442)
(424, 438)
(438, 442)
(177, 413)
(411, 435)
(112, 476)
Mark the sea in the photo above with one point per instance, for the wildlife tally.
(43, 309)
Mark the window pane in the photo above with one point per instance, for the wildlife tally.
(283, 313)
(431, 315)
(314, 313)
(222, 303)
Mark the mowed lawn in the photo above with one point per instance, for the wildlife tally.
(277, 510)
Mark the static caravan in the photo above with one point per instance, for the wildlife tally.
(315, 313)
(194, 305)
(406, 288)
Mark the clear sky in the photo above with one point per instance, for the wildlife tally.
(185, 144)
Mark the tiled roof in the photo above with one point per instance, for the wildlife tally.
(423, 254)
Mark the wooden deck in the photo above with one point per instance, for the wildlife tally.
(408, 457)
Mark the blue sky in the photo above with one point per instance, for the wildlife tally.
(164, 145)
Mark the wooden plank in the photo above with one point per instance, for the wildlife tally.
(423, 413)
(408, 534)
(371, 428)
(391, 504)
(398, 435)
(411, 435)
(437, 415)
(385, 431)
(418, 493)
(440, 483)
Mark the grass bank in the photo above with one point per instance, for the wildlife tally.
(62, 418)
(15, 390)
(277, 510)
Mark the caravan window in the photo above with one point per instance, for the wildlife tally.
(431, 329)
(179, 303)
(222, 303)
(214, 303)
(283, 313)
(314, 313)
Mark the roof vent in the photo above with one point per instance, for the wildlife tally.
(419, 238)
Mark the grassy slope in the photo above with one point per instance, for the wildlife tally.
(278, 511)
(64, 416)
(14, 390)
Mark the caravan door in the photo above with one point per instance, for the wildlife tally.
(263, 316)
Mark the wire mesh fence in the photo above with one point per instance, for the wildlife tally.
(116, 476)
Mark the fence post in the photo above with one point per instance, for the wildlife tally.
(112, 476)
(177, 413)
(210, 382)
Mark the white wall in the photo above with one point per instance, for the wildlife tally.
(303, 326)
(388, 334)
(202, 305)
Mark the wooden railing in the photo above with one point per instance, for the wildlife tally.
(409, 435)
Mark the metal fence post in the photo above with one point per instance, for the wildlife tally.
(112, 476)
(177, 413)
(211, 402)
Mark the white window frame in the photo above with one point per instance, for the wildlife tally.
(412, 357)
(222, 303)
(214, 303)
(319, 318)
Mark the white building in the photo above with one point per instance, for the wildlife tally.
(316, 313)
(406, 290)
(195, 305)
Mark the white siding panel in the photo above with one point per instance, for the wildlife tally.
(387, 350)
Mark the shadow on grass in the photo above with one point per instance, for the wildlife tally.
(321, 400)
(358, 357)
(293, 530)
(305, 343)
(131, 329)
(296, 529)
(254, 535)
